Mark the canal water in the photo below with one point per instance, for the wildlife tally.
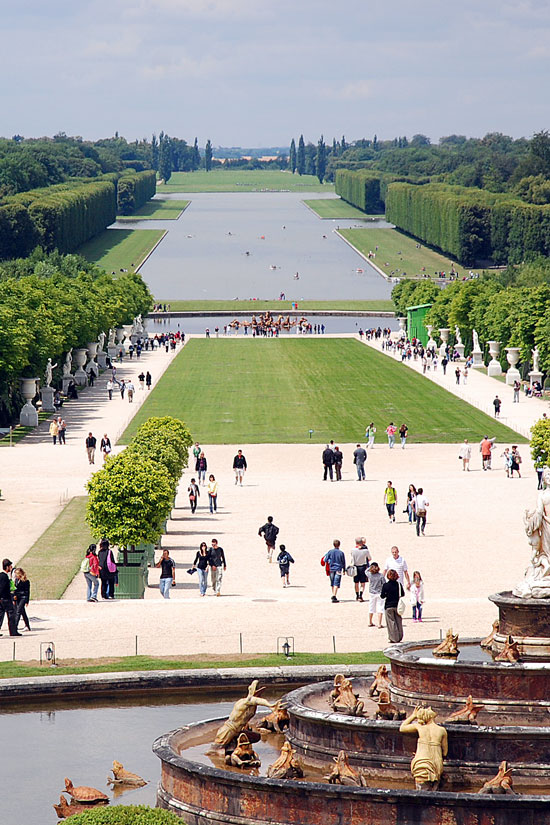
(332, 323)
(203, 256)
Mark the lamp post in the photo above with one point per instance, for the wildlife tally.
(285, 647)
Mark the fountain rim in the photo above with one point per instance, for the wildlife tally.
(403, 653)
(507, 597)
(162, 748)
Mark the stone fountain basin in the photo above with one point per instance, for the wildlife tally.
(201, 793)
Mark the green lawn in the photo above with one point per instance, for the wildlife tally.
(239, 180)
(400, 252)
(335, 208)
(278, 306)
(124, 664)
(274, 391)
(117, 249)
(54, 559)
(160, 210)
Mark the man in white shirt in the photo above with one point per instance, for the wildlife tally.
(398, 563)
(421, 504)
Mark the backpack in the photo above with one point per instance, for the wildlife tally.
(85, 566)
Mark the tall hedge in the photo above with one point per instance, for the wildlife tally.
(134, 190)
(367, 188)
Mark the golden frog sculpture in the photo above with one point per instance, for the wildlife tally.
(386, 708)
(122, 777)
(509, 652)
(487, 642)
(342, 774)
(501, 783)
(287, 765)
(277, 720)
(448, 648)
(343, 699)
(465, 715)
(244, 755)
(381, 681)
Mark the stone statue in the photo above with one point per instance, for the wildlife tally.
(112, 335)
(381, 681)
(343, 700)
(244, 755)
(101, 338)
(501, 783)
(536, 582)
(48, 375)
(427, 764)
(467, 714)
(124, 777)
(475, 337)
(68, 363)
(342, 774)
(487, 642)
(277, 720)
(287, 765)
(509, 653)
(458, 336)
(243, 711)
(448, 648)
(386, 708)
(536, 355)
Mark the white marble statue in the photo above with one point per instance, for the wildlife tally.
(475, 337)
(112, 335)
(68, 362)
(458, 336)
(536, 356)
(536, 582)
(48, 374)
(101, 338)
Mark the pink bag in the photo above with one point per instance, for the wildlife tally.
(111, 566)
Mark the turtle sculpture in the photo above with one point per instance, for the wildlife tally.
(122, 777)
(381, 681)
(466, 715)
(487, 642)
(501, 783)
(277, 720)
(84, 794)
(244, 755)
(64, 809)
(342, 774)
(509, 653)
(342, 698)
(386, 708)
(287, 765)
(448, 648)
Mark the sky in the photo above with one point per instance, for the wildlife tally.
(252, 73)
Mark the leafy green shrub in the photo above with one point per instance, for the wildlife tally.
(169, 429)
(134, 190)
(540, 443)
(125, 815)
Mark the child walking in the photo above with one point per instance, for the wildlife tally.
(417, 596)
(285, 560)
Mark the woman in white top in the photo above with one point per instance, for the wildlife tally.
(465, 454)
(421, 504)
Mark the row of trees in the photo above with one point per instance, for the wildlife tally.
(132, 496)
(50, 303)
(511, 306)
(309, 159)
(134, 190)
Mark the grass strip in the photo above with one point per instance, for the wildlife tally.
(19, 432)
(242, 180)
(275, 390)
(279, 306)
(118, 249)
(160, 210)
(124, 664)
(54, 559)
(397, 254)
(335, 208)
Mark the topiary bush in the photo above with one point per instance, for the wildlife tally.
(125, 815)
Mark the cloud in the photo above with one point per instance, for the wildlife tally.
(360, 90)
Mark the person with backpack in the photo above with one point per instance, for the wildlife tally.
(284, 560)
(270, 532)
(107, 570)
(90, 568)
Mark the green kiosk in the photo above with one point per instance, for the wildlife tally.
(415, 322)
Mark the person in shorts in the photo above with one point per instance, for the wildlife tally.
(390, 500)
(284, 560)
(336, 561)
(270, 532)
(360, 557)
(239, 466)
(376, 604)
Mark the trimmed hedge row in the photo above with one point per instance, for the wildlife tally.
(125, 815)
(134, 190)
(470, 224)
(367, 188)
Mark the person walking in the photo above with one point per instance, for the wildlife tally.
(376, 583)
(284, 560)
(218, 566)
(122, 388)
(370, 434)
(130, 387)
(335, 560)
(396, 562)
(411, 494)
(239, 466)
(148, 380)
(54, 431)
(359, 458)
(201, 467)
(62, 429)
(506, 461)
(194, 493)
(6, 598)
(485, 448)
(403, 433)
(270, 532)
(497, 404)
(457, 375)
(90, 568)
(465, 454)
(21, 597)
(167, 573)
(328, 462)
(417, 596)
(338, 460)
(517, 388)
(391, 430)
(107, 570)
(213, 493)
(201, 564)
(444, 362)
(515, 461)
(141, 379)
(105, 447)
(390, 500)
(196, 450)
(110, 388)
(91, 443)
(360, 558)
(392, 591)
(421, 504)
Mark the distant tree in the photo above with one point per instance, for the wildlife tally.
(311, 158)
(196, 155)
(301, 156)
(208, 155)
(334, 148)
(292, 156)
(155, 153)
(420, 140)
(375, 143)
(540, 150)
(321, 159)
(343, 144)
(165, 158)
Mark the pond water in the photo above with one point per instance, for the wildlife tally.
(42, 747)
(203, 256)
(333, 323)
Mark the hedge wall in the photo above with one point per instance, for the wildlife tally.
(134, 190)
(367, 188)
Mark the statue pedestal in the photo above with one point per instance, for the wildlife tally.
(527, 620)
(477, 355)
(535, 375)
(66, 381)
(102, 360)
(494, 368)
(460, 349)
(28, 417)
(80, 377)
(512, 375)
(112, 349)
(47, 394)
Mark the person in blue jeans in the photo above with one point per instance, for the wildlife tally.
(336, 561)
(167, 573)
(201, 564)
